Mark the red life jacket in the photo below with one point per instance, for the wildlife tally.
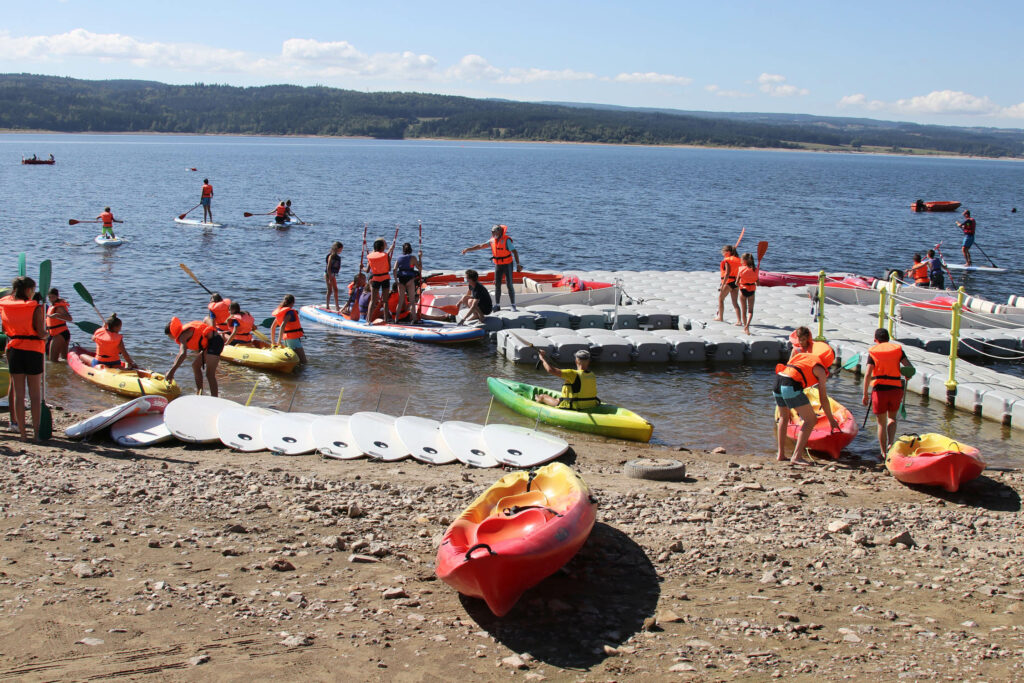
(17, 316)
(207, 191)
(56, 326)
(108, 219)
(281, 211)
(800, 368)
(108, 346)
(220, 311)
(380, 265)
(500, 253)
(886, 359)
(200, 333)
(290, 329)
(747, 278)
(919, 274)
(243, 331)
(729, 267)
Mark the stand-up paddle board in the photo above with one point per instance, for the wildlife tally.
(139, 406)
(286, 224)
(289, 433)
(239, 428)
(466, 441)
(422, 438)
(197, 223)
(139, 431)
(104, 241)
(428, 331)
(522, 446)
(193, 419)
(374, 434)
(971, 269)
(333, 438)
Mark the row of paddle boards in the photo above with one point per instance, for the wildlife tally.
(207, 419)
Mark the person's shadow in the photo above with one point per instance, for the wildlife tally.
(601, 597)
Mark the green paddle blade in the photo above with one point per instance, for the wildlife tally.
(87, 327)
(267, 322)
(21, 264)
(45, 423)
(852, 363)
(83, 292)
(45, 272)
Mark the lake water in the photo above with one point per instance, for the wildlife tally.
(568, 206)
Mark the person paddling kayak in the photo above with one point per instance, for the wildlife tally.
(203, 339)
(280, 213)
(108, 220)
(205, 199)
(579, 385)
(503, 251)
(969, 226)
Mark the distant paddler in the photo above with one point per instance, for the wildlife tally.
(804, 369)
(108, 220)
(579, 385)
(201, 338)
(205, 200)
(884, 378)
(502, 253)
(57, 318)
(968, 226)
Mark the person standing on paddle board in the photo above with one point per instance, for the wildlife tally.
(968, 225)
(205, 198)
(579, 386)
(203, 339)
(804, 369)
(729, 268)
(57, 318)
(502, 253)
(108, 220)
(477, 299)
(935, 277)
(286, 328)
(331, 270)
(407, 269)
(379, 264)
(22, 318)
(884, 379)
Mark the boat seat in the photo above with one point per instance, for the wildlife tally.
(524, 499)
(501, 528)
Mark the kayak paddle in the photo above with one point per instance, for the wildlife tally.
(21, 264)
(87, 326)
(192, 275)
(72, 221)
(181, 217)
(45, 416)
(762, 248)
(740, 238)
(87, 297)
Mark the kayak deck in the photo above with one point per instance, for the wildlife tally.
(121, 381)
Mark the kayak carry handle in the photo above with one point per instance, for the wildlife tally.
(478, 546)
(516, 509)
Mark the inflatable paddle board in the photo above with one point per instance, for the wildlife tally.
(421, 436)
(428, 331)
(139, 406)
(374, 434)
(973, 269)
(522, 446)
(289, 433)
(239, 428)
(198, 223)
(108, 241)
(138, 431)
(466, 441)
(193, 419)
(333, 438)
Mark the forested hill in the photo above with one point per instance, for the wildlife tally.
(69, 105)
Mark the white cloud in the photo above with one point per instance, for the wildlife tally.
(518, 76)
(776, 86)
(860, 101)
(941, 102)
(473, 68)
(653, 77)
(341, 58)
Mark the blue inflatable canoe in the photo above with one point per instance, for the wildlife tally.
(427, 331)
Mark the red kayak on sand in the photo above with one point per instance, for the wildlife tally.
(933, 460)
(919, 206)
(823, 439)
(521, 530)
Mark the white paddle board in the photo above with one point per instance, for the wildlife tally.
(522, 446)
(198, 223)
(289, 433)
(140, 430)
(108, 241)
(286, 224)
(466, 441)
(972, 269)
(239, 428)
(193, 419)
(333, 437)
(138, 406)
(374, 434)
(422, 437)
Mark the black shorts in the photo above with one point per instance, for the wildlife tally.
(22, 362)
(380, 284)
(215, 345)
(404, 279)
(748, 292)
(280, 220)
(67, 338)
(732, 284)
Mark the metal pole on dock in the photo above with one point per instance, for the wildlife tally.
(954, 342)
(892, 303)
(881, 306)
(821, 306)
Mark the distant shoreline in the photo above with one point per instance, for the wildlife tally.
(874, 152)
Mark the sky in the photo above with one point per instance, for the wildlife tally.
(951, 63)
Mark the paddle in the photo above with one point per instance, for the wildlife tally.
(337, 406)
(537, 364)
(362, 254)
(72, 221)
(762, 249)
(192, 275)
(181, 216)
(87, 326)
(22, 270)
(960, 225)
(739, 239)
(45, 416)
(84, 293)
(248, 214)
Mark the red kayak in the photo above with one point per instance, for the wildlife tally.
(933, 460)
(521, 530)
(488, 278)
(767, 278)
(823, 439)
(934, 206)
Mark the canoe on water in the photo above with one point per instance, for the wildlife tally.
(933, 460)
(261, 356)
(521, 530)
(122, 381)
(823, 439)
(604, 419)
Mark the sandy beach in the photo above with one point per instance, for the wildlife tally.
(186, 563)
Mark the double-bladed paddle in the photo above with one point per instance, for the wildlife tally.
(192, 275)
(87, 297)
(45, 416)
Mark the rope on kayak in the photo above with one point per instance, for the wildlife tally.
(516, 509)
(478, 546)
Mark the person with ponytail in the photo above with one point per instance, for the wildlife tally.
(23, 322)
(109, 346)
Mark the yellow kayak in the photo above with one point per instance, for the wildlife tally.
(261, 356)
(121, 380)
(5, 380)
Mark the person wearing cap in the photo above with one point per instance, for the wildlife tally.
(502, 253)
(969, 225)
(579, 386)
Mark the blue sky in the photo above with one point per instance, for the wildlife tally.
(932, 62)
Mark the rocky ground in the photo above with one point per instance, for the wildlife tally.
(188, 562)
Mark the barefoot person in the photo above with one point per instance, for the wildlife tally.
(286, 328)
(379, 262)
(476, 299)
(331, 270)
(579, 385)
(22, 318)
(207, 344)
(503, 251)
(107, 219)
(57, 319)
(407, 269)
(729, 268)
(747, 280)
(887, 366)
(803, 370)
(969, 226)
(205, 199)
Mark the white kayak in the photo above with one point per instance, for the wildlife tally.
(138, 431)
(239, 428)
(333, 438)
(421, 436)
(374, 434)
(978, 269)
(193, 419)
(139, 406)
(466, 441)
(289, 433)
(522, 446)
(105, 241)
(197, 223)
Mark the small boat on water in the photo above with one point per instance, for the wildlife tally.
(261, 356)
(922, 206)
(35, 161)
(823, 439)
(933, 460)
(519, 531)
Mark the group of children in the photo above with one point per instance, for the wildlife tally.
(372, 294)
(738, 281)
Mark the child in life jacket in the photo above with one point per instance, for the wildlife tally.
(747, 280)
(241, 324)
(110, 346)
(354, 307)
(729, 268)
(286, 329)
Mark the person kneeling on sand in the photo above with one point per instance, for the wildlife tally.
(579, 388)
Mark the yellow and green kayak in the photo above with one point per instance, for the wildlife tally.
(261, 356)
(604, 419)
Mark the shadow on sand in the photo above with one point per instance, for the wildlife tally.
(600, 598)
(984, 492)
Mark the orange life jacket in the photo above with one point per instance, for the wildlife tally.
(290, 329)
(500, 253)
(219, 311)
(380, 265)
(108, 346)
(200, 333)
(207, 191)
(919, 274)
(729, 267)
(243, 332)
(886, 359)
(393, 307)
(54, 325)
(17, 318)
(108, 219)
(281, 211)
(747, 278)
(820, 349)
(800, 368)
